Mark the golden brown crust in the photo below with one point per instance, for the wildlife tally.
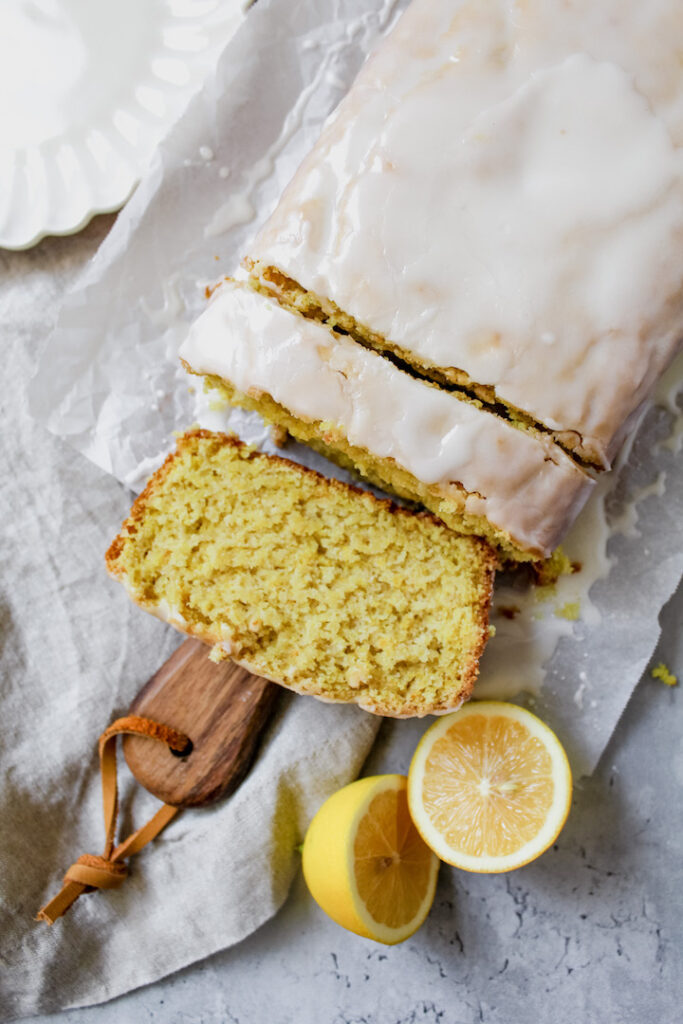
(484, 608)
(128, 526)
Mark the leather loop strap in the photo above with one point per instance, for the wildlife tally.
(108, 871)
(96, 872)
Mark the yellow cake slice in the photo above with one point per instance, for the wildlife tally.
(307, 581)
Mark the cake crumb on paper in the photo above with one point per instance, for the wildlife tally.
(571, 611)
(661, 671)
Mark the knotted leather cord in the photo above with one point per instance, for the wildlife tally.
(108, 871)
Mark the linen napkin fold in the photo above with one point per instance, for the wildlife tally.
(74, 653)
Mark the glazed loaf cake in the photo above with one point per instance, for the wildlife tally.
(498, 202)
(306, 581)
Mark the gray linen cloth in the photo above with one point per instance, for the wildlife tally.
(74, 653)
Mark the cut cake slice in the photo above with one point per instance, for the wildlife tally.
(499, 201)
(471, 468)
(306, 581)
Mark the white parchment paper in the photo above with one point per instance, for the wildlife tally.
(111, 384)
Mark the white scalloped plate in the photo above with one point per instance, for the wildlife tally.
(88, 88)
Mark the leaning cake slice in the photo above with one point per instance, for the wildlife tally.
(306, 581)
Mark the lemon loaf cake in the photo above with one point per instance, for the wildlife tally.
(471, 468)
(306, 581)
(499, 201)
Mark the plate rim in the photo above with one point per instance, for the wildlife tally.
(140, 161)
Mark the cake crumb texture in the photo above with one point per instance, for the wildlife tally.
(571, 611)
(307, 581)
(661, 671)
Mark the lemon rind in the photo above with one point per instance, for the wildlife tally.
(376, 930)
(353, 915)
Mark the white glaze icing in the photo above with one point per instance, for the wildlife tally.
(521, 483)
(241, 206)
(236, 210)
(501, 191)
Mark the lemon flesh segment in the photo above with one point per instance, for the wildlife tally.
(489, 787)
(366, 864)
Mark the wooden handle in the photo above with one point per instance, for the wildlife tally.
(222, 708)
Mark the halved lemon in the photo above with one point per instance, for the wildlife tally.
(489, 787)
(366, 864)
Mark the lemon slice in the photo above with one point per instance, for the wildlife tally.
(489, 787)
(365, 862)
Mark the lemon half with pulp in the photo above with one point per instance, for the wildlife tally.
(489, 787)
(366, 864)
